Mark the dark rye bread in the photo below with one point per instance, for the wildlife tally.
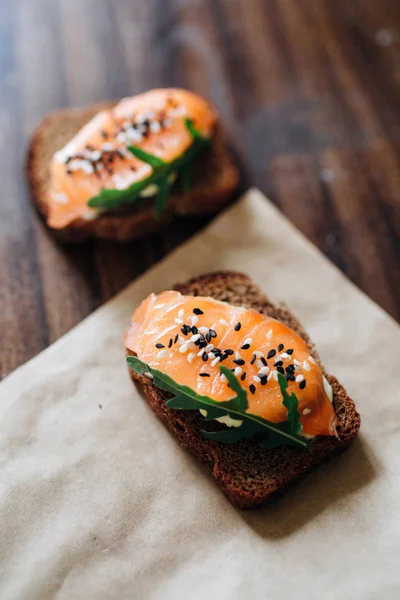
(215, 178)
(247, 474)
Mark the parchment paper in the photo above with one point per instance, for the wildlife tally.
(97, 500)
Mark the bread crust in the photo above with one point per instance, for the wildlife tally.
(208, 195)
(247, 474)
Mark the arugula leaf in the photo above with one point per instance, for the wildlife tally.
(146, 157)
(109, 199)
(184, 398)
(291, 403)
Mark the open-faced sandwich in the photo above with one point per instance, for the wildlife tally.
(238, 382)
(118, 171)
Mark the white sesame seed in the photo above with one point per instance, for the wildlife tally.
(248, 341)
(203, 330)
(209, 347)
(181, 340)
(195, 337)
(273, 375)
(310, 358)
(296, 362)
(162, 354)
(299, 378)
(201, 352)
(306, 366)
(224, 322)
(148, 374)
(259, 354)
(237, 356)
(256, 379)
(179, 321)
(96, 155)
(269, 334)
(203, 412)
(238, 371)
(223, 378)
(215, 361)
(195, 320)
(259, 363)
(183, 349)
(263, 371)
(155, 127)
(306, 411)
(181, 314)
(284, 355)
(191, 356)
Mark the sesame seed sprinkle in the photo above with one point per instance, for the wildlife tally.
(148, 374)
(170, 343)
(302, 384)
(209, 347)
(191, 356)
(237, 326)
(238, 371)
(311, 359)
(263, 371)
(204, 356)
(198, 311)
(223, 378)
(162, 354)
(183, 349)
(159, 345)
(195, 320)
(240, 361)
(256, 379)
(271, 353)
(179, 321)
(237, 355)
(306, 366)
(259, 364)
(215, 361)
(299, 378)
(195, 337)
(245, 347)
(253, 360)
(269, 334)
(306, 411)
(204, 374)
(280, 347)
(243, 376)
(181, 314)
(176, 338)
(252, 388)
(224, 322)
(203, 330)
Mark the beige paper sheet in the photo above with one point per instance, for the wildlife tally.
(102, 503)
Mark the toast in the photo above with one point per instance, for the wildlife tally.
(214, 181)
(249, 475)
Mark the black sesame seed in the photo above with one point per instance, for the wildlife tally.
(278, 363)
(176, 338)
(224, 356)
(208, 337)
(195, 330)
(290, 351)
(264, 379)
(290, 369)
(252, 388)
(290, 377)
(185, 329)
(203, 344)
(271, 353)
(205, 356)
(253, 360)
(170, 343)
(237, 326)
(302, 384)
(239, 361)
(264, 362)
(280, 370)
(245, 347)
(243, 376)
(229, 351)
(204, 374)
(280, 347)
(198, 311)
(212, 333)
(160, 345)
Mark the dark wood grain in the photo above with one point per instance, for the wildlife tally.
(309, 91)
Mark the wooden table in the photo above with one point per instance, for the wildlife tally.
(309, 90)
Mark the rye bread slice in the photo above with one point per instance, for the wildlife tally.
(215, 178)
(249, 475)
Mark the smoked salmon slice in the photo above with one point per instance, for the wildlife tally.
(188, 337)
(98, 156)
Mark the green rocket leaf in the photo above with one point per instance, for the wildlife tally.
(109, 199)
(184, 398)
